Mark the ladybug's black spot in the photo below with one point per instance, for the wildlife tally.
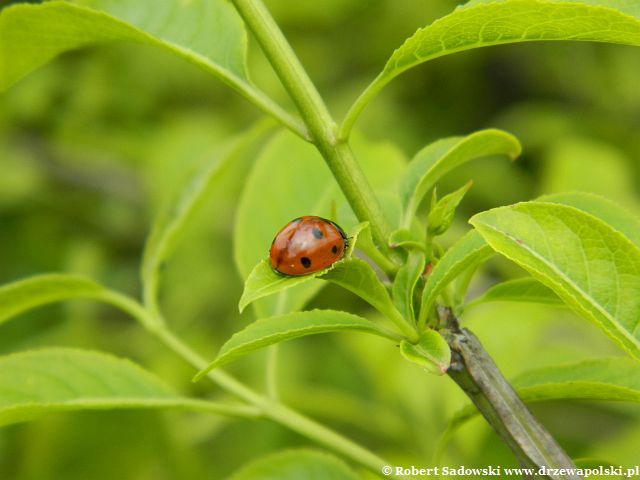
(306, 262)
(317, 233)
(334, 249)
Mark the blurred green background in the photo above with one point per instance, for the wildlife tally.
(94, 142)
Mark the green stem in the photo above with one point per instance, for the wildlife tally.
(157, 327)
(276, 411)
(311, 429)
(268, 407)
(268, 106)
(130, 306)
(358, 106)
(260, 100)
(286, 64)
(224, 380)
(428, 250)
(356, 188)
(407, 329)
(150, 298)
(322, 127)
(205, 406)
(386, 265)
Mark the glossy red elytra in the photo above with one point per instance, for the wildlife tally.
(306, 245)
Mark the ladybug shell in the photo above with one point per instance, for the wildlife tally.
(306, 245)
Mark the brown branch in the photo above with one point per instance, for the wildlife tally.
(475, 372)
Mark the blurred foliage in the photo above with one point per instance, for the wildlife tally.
(91, 145)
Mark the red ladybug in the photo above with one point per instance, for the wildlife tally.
(306, 245)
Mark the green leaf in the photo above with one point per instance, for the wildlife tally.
(263, 281)
(520, 290)
(35, 383)
(437, 159)
(358, 277)
(431, 352)
(442, 213)
(606, 379)
(405, 283)
(481, 23)
(172, 221)
(32, 292)
(467, 252)
(207, 33)
(268, 331)
(601, 207)
(594, 269)
(295, 465)
(601, 379)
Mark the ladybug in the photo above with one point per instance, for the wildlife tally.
(306, 245)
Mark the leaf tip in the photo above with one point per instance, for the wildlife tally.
(198, 376)
(516, 149)
(442, 367)
(473, 221)
(218, 361)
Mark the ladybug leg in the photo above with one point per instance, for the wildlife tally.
(277, 272)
